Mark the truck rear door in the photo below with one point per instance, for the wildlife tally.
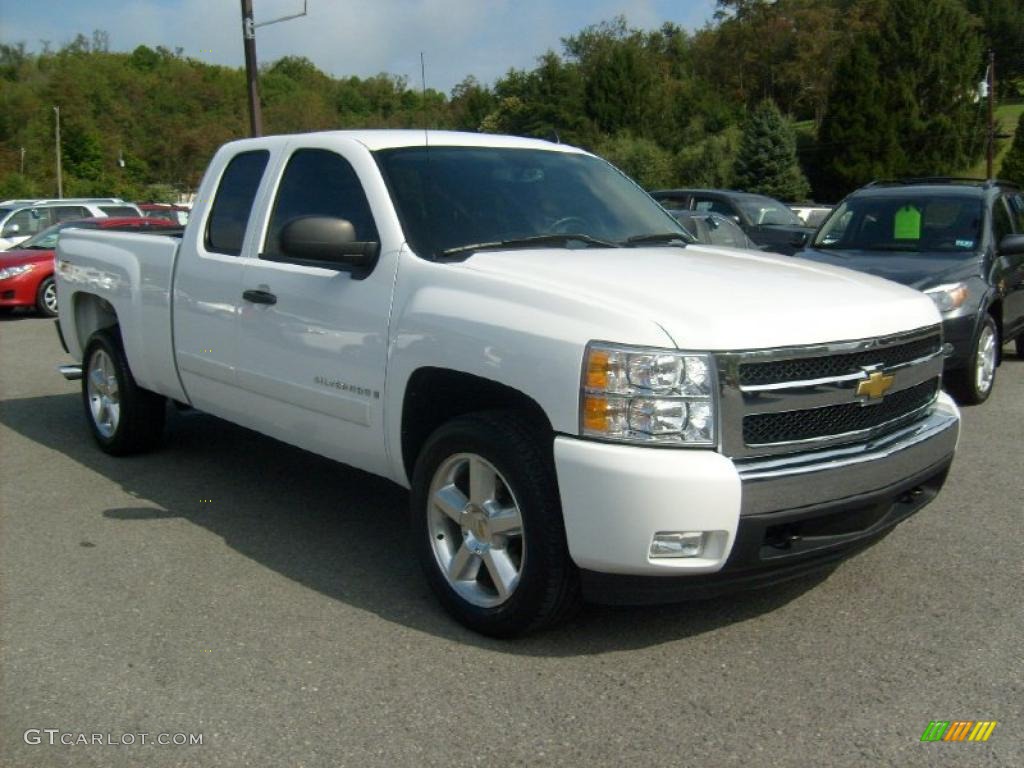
(208, 287)
(313, 340)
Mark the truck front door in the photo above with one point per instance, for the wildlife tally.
(313, 340)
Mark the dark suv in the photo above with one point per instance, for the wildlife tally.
(961, 241)
(766, 221)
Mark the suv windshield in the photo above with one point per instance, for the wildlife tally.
(453, 198)
(908, 222)
(764, 210)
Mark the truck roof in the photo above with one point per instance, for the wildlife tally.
(374, 139)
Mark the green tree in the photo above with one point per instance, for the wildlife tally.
(1003, 31)
(1012, 167)
(902, 101)
(641, 159)
(766, 162)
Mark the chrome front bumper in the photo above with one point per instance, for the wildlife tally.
(778, 483)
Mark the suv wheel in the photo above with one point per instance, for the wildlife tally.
(1019, 345)
(973, 384)
(488, 526)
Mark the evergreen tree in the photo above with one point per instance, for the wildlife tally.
(902, 99)
(856, 142)
(766, 162)
(1012, 167)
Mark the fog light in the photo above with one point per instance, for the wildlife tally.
(677, 544)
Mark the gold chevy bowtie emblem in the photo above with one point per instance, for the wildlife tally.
(876, 385)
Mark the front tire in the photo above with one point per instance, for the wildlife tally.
(46, 298)
(123, 417)
(1019, 345)
(973, 384)
(487, 525)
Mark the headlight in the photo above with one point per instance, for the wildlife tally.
(648, 396)
(15, 271)
(948, 297)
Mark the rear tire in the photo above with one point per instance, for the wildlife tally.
(1019, 345)
(46, 298)
(123, 418)
(973, 384)
(487, 525)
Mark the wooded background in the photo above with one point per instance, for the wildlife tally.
(799, 98)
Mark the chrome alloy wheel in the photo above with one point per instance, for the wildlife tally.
(985, 362)
(476, 530)
(50, 297)
(104, 397)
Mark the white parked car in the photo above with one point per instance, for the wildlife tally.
(20, 219)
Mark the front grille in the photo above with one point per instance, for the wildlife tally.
(766, 428)
(810, 368)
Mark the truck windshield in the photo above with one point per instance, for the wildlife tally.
(450, 199)
(948, 223)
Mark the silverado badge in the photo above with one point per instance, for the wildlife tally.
(875, 385)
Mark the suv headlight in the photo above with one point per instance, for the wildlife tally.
(15, 271)
(948, 297)
(646, 396)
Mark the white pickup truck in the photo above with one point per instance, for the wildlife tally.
(583, 402)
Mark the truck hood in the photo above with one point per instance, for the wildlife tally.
(918, 270)
(712, 298)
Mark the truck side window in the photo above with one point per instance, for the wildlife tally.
(236, 192)
(318, 182)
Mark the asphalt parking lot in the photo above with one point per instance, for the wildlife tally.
(264, 598)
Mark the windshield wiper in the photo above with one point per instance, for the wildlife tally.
(527, 242)
(664, 238)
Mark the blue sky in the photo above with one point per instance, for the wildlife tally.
(347, 37)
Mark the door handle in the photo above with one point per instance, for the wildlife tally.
(260, 297)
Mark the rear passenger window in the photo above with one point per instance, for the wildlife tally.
(70, 212)
(232, 205)
(119, 210)
(318, 182)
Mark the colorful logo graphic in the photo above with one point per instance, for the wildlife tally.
(958, 730)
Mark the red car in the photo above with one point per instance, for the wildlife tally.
(26, 271)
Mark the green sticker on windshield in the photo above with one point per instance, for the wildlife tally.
(907, 224)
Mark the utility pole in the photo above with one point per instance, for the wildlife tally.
(60, 173)
(22, 161)
(251, 70)
(990, 151)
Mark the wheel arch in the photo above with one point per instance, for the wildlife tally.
(434, 396)
(92, 313)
